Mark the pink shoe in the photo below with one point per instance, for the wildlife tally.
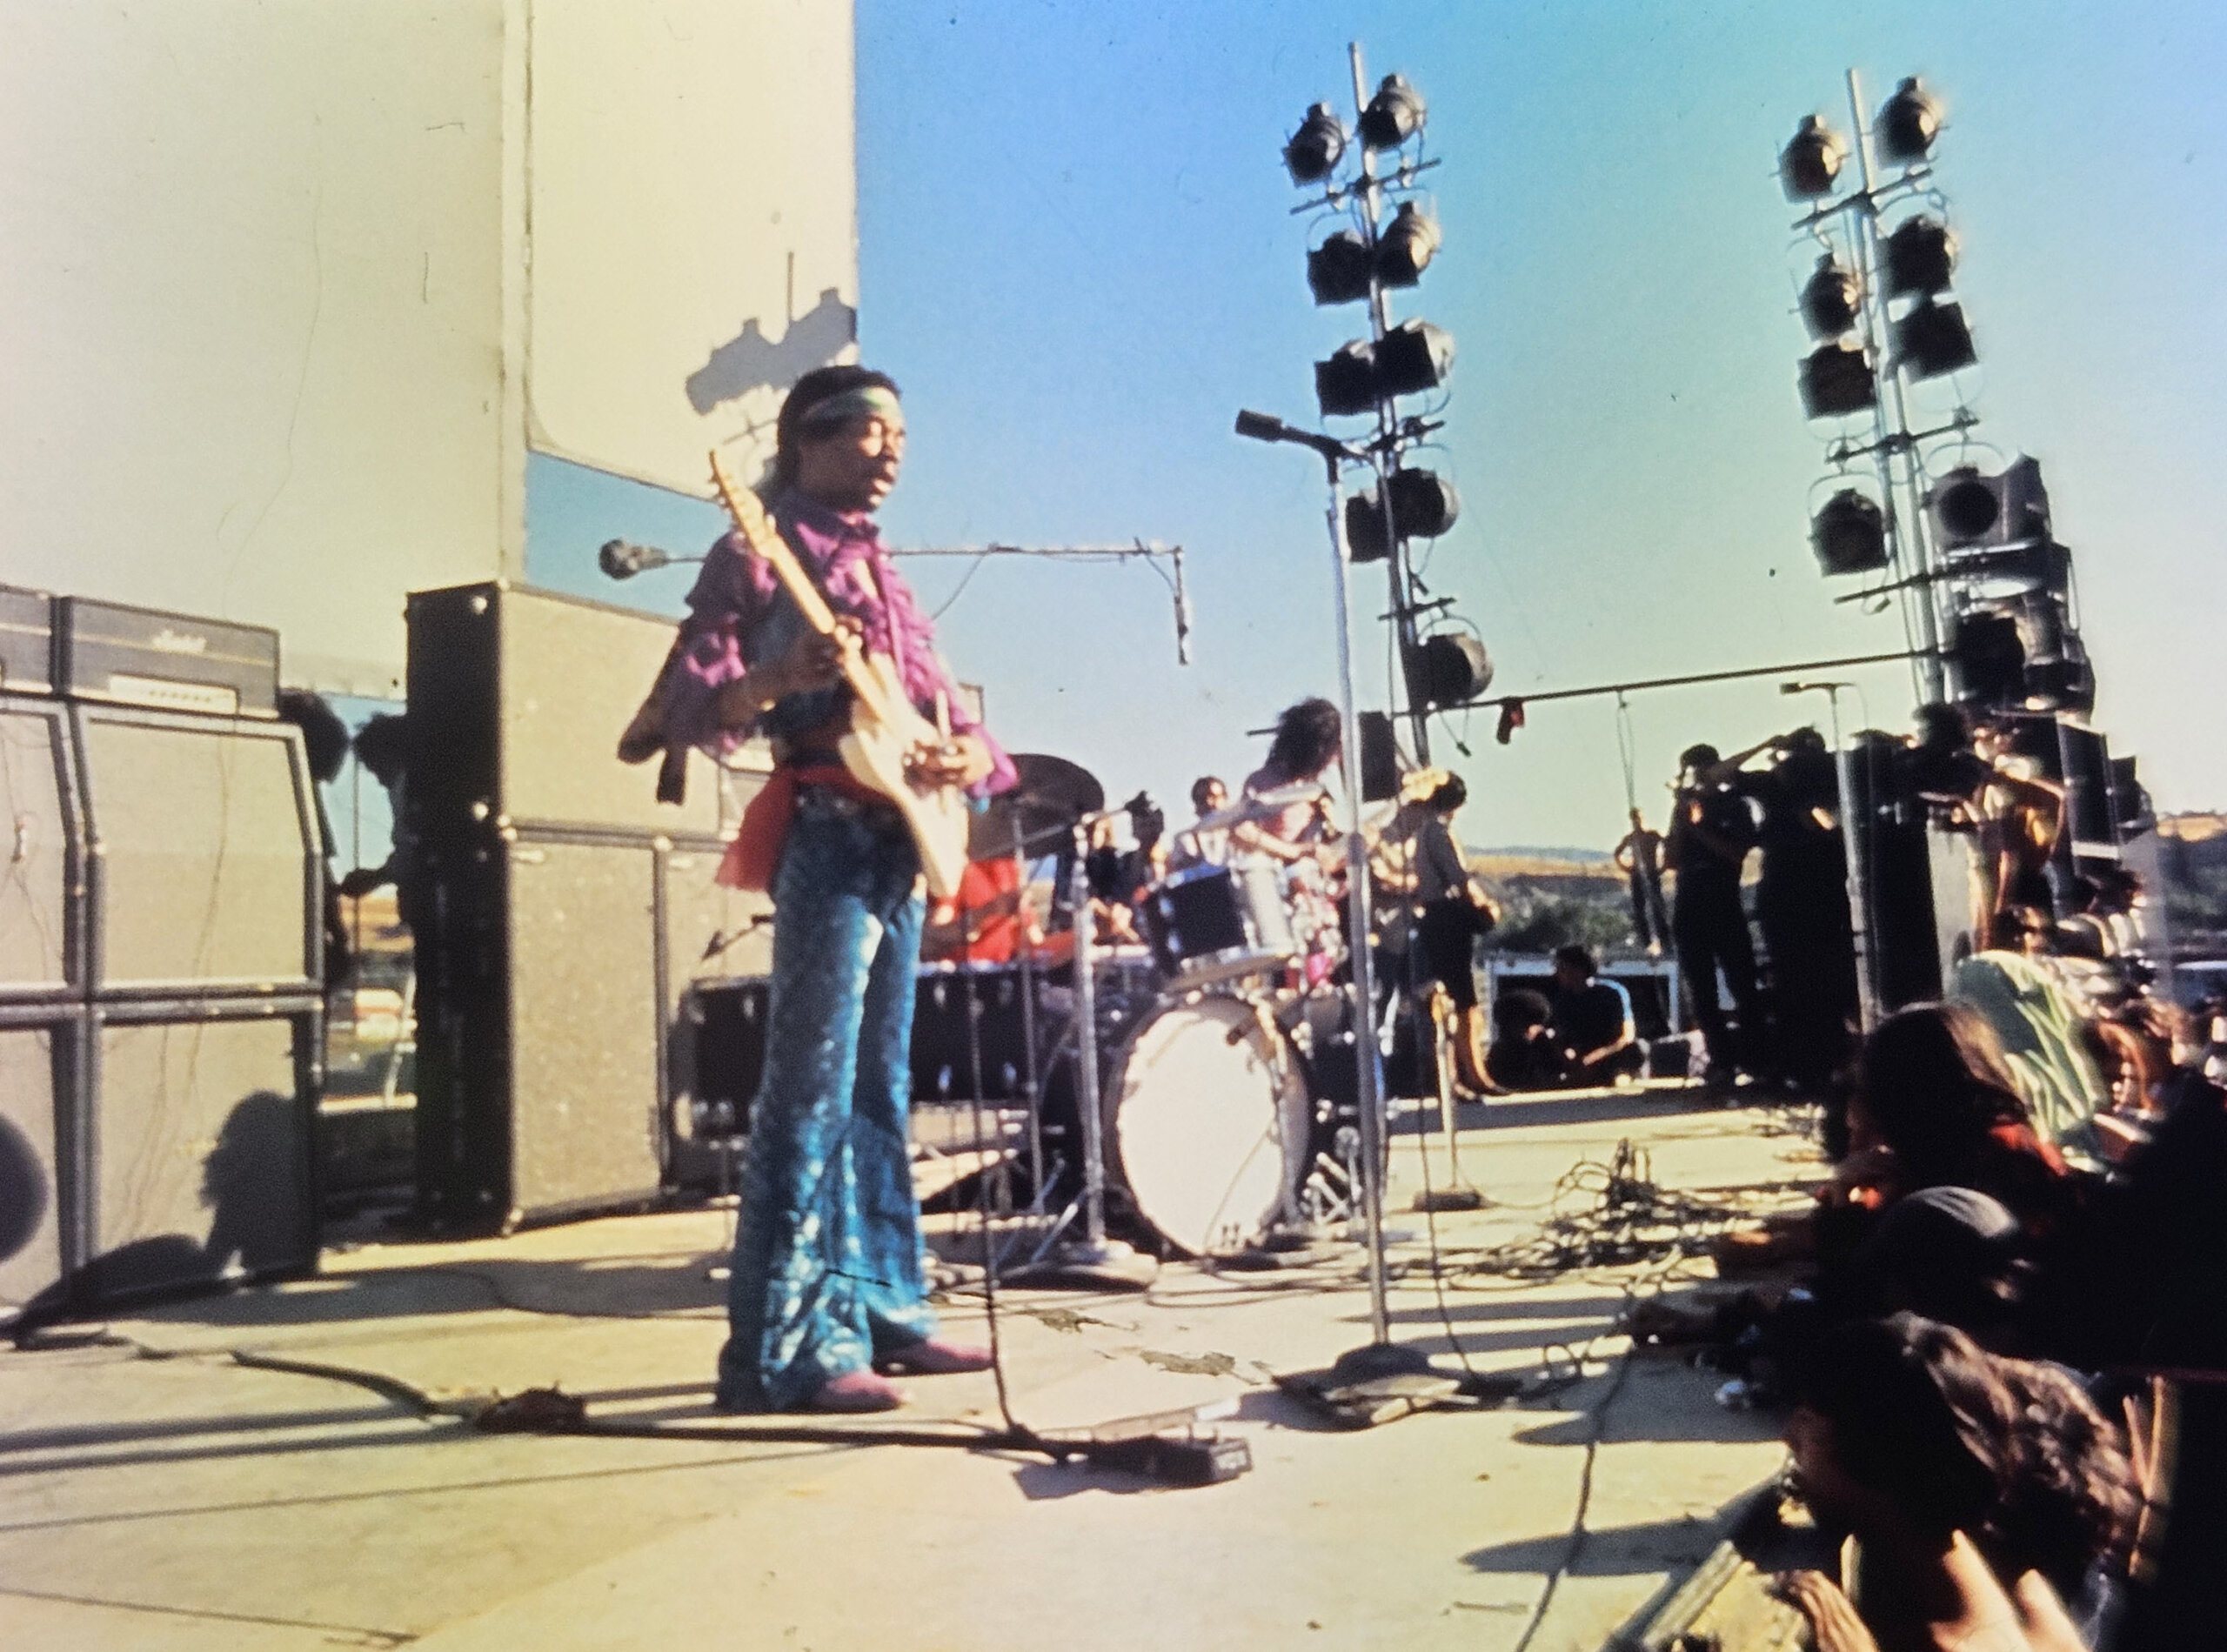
(933, 1356)
(855, 1391)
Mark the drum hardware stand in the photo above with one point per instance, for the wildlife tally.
(1379, 1362)
(1094, 1256)
(715, 1127)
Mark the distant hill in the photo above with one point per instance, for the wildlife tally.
(1533, 852)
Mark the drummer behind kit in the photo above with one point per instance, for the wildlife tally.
(1228, 1100)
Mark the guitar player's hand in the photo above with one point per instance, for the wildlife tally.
(964, 762)
(811, 662)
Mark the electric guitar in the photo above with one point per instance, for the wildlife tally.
(885, 727)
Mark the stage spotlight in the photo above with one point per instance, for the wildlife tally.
(1850, 534)
(1368, 536)
(1413, 358)
(1933, 339)
(1908, 122)
(1829, 300)
(1989, 659)
(1969, 509)
(1449, 669)
(1407, 247)
(1811, 160)
(1347, 382)
(1920, 254)
(1393, 115)
(1424, 503)
(1315, 149)
(1337, 271)
(1836, 381)
(2038, 564)
(2066, 684)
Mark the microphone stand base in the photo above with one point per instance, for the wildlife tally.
(1110, 1266)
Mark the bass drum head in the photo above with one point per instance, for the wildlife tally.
(1208, 1125)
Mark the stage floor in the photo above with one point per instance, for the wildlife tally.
(155, 1492)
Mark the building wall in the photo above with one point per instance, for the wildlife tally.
(291, 287)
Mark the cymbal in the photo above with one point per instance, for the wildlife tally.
(1051, 795)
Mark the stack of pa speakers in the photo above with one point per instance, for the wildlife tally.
(161, 1016)
(566, 911)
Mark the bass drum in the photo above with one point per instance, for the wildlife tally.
(1208, 1125)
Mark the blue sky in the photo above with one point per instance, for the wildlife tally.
(1078, 257)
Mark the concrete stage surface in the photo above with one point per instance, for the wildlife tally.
(157, 1493)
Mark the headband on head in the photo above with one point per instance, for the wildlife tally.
(863, 401)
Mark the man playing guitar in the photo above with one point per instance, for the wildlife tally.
(825, 1292)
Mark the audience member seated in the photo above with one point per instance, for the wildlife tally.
(1935, 1105)
(1992, 1504)
(1594, 1040)
(2145, 1283)
(1523, 1055)
(2039, 1028)
(1951, 1255)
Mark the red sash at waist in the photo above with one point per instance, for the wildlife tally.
(752, 859)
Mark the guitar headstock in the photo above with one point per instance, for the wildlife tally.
(743, 504)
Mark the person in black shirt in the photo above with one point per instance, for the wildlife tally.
(1711, 831)
(1595, 1038)
(1801, 906)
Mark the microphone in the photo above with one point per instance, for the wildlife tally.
(621, 560)
(1262, 427)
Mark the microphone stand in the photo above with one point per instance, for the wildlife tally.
(1095, 1259)
(1380, 1357)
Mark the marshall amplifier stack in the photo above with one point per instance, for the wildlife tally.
(160, 1017)
(568, 911)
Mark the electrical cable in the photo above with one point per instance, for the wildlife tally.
(1598, 1421)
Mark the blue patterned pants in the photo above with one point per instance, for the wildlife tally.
(827, 1269)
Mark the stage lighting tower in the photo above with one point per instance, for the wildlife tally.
(1385, 241)
(1879, 309)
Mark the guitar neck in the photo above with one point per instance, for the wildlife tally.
(766, 544)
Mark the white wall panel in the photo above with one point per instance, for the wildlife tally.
(252, 312)
(693, 223)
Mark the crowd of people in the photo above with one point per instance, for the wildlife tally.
(2021, 1229)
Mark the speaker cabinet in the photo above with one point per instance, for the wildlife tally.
(42, 884)
(517, 701)
(1903, 860)
(199, 1167)
(205, 856)
(538, 1000)
(41, 1125)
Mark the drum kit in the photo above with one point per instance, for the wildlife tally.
(1200, 1090)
